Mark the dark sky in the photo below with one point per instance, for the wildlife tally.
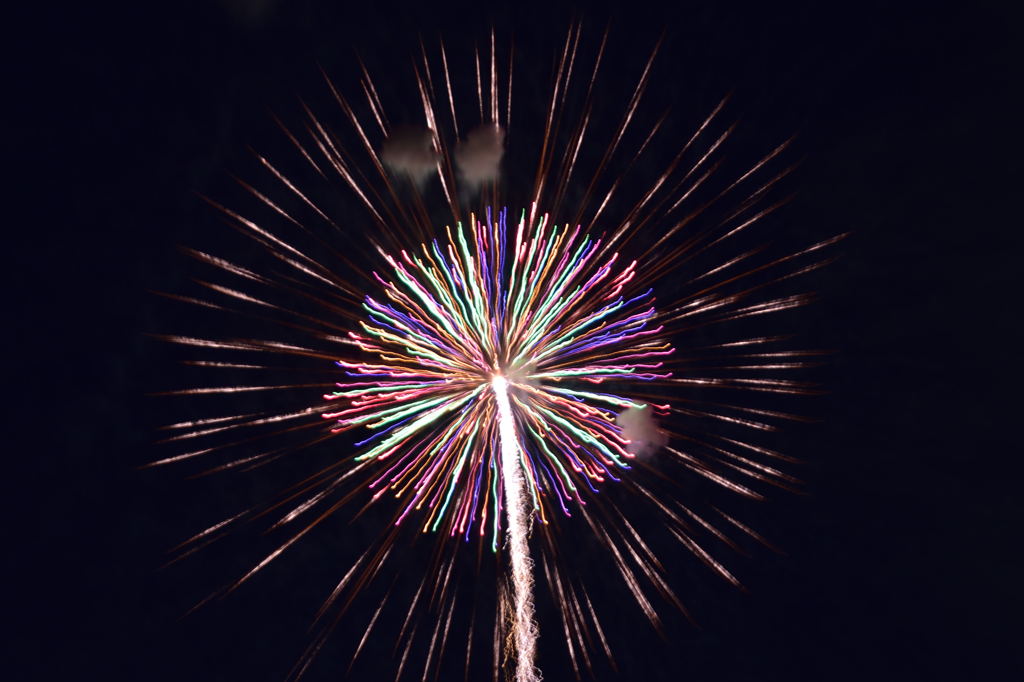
(902, 562)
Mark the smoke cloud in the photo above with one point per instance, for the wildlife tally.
(478, 157)
(410, 151)
(641, 430)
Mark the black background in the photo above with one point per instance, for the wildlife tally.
(903, 562)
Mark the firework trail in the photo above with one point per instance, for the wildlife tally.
(507, 369)
(522, 566)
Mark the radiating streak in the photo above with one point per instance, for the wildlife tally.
(749, 467)
(225, 365)
(366, 635)
(209, 531)
(494, 79)
(555, 582)
(479, 86)
(191, 300)
(701, 468)
(448, 87)
(627, 573)
(500, 616)
(305, 486)
(748, 530)
(249, 345)
(277, 552)
(654, 575)
(411, 611)
(341, 256)
(620, 132)
(705, 557)
(405, 654)
(759, 450)
(266, 201)
(338, 588)
(262, 457)
(373, 99)
(330, 308)
(543, 156)
(774, 263)
(441, 588)
(263, 235)
(469, 642)
(239, 389)
(206, 422)
(226, 266)
(662, 179)
(447, 620)
(763, 385)
(295, 142)
(674, 257)
(508, 96)
(323, 142)
(738, 421)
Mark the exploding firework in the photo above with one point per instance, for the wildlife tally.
(475, 354)
(505, 371)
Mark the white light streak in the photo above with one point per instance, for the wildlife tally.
(523, 623)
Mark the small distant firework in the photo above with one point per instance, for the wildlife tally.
(507, 368)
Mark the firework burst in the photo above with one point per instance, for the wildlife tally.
(463, 315)
(487, 373)
(481, 343)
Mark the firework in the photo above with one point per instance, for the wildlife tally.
(541, 317)
(530, 317)
(504, 371)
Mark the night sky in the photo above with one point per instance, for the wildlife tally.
(902, 560)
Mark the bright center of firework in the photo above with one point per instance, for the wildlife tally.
(500, 385)
(543, 309)
(506, 426)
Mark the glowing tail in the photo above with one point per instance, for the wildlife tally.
(524, 626)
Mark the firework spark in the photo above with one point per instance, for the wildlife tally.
(502, 366)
